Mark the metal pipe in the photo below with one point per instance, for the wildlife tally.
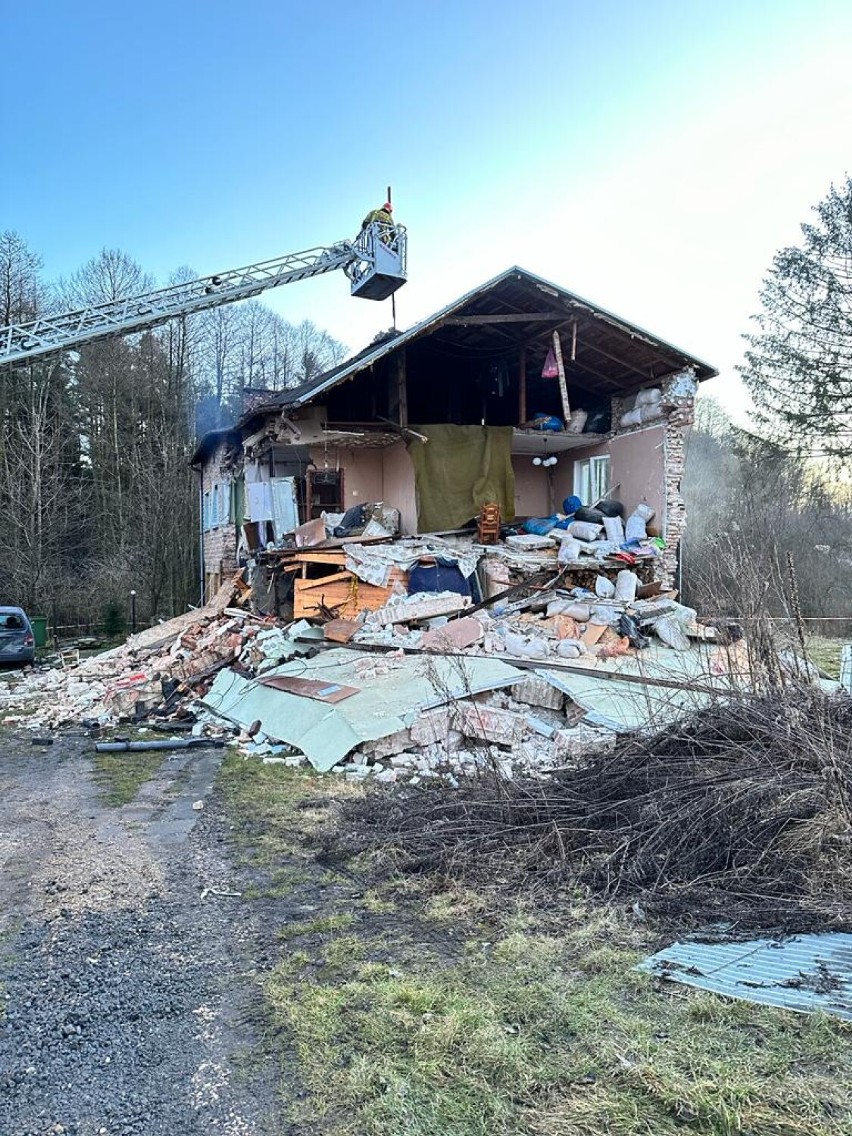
(162, 743)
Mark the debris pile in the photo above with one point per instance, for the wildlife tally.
(428, 687)
(155, 674)
(741, 816)
(555, 622)
(430, 684)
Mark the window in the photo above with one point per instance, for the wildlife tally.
(326, 492)
(592, 479)
(224, 515)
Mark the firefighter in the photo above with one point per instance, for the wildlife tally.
(384, 217)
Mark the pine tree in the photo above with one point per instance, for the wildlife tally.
(799, 365)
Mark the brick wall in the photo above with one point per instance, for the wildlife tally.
(679, 401)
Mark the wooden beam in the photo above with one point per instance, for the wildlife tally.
(590, 345)
(506, 317)
(563, 388)
(522, 386)
(402, 387)
(587, 367)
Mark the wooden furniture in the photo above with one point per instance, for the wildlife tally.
(488, 525)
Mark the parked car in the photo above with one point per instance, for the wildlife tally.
(17, 642)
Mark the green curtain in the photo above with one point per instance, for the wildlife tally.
(459, 469)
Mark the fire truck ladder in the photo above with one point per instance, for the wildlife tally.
(375, 263)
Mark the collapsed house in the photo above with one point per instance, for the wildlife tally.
(460, 546)
(423, 429)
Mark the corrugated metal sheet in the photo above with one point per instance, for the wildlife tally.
(384, 704)
(804, 973)
(624, 706)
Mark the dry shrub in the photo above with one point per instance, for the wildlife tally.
(739, 813)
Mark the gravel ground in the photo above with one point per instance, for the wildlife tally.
(126, 1000)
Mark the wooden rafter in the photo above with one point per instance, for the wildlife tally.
(504, 317)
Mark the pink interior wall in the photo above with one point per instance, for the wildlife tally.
(387, 475)
(362, 471)
(531, 496)
(398, 486)
(375, 475)
(637, 463)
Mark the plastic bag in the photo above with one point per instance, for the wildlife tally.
(569, 550)
(607, 615)
(648, 397)
(604, 588)
(569, 649)
(626, 583)
(539, 526)
(669, 630)
(629, 626)
(582, 612)
(536, 649)
(584, 530)
(550, 370)
(635, 527)
(614, 527)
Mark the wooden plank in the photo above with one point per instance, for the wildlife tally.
(321, 556)
(563, 388)
(341, 630)
(522, 386)
(343, 593)
(309, 687)
(321, 581)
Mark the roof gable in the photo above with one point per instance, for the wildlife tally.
(609, 351)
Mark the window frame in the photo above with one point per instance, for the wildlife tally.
(587, 477)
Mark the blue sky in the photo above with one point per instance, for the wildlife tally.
(651, 156)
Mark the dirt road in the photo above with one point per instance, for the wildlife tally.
(126, 999)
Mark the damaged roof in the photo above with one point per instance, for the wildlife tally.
(516, 307)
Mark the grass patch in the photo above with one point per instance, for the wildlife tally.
(121, 775)
(540, 1037)
(323, 925)
(280, 883)
(455, 904)
(343, 951)
(377, 904)
(826, 654)
(276, 811)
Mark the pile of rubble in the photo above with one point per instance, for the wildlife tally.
(429, 687)
(156, 674)
(554, 624)
(526, 728)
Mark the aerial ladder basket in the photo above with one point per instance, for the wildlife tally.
(381, 265)
(375, 263)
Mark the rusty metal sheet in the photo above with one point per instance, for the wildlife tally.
(309, 687)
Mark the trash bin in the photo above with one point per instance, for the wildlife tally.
(39, 624)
